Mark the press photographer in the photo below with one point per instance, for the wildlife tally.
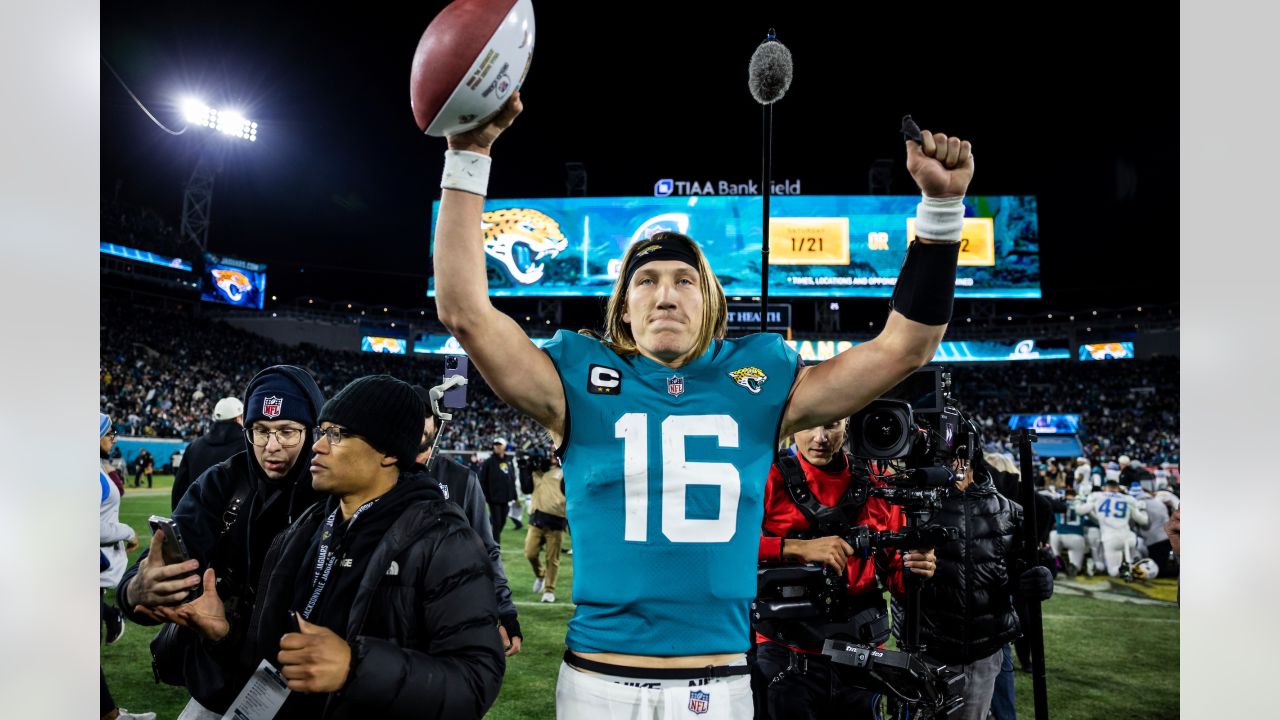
(814, 495)
(964, 616)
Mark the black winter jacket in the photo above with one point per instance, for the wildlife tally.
(499, 485)
(423, 626)
(462, 486)
(966, 611)
(236, 557)
(223, 440)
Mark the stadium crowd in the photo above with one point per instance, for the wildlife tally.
(161, 374)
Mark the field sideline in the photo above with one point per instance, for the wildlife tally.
(1112, 648)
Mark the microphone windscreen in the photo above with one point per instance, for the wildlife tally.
(770, 72)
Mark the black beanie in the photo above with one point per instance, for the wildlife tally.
(384, 411)
(276, 396)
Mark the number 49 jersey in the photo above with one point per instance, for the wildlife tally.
(664, 476)
(1115, 511)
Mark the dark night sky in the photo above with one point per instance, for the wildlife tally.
(1063, 106)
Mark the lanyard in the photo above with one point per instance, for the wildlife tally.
(327, 557)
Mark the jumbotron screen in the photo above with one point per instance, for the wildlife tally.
(1047, 424)
(375, 344)
(1107, 351)
(820, 246)
(145, 256)
(233, 282)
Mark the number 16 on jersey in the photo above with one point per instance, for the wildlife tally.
(677, 475)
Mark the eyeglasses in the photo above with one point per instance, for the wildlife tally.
(334, 434)
(287, 437)
(112, 434)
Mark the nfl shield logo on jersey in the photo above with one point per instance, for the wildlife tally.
(675, 386)
(271, 406)
(699, 701)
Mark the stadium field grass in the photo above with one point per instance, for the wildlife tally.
(1106, 659)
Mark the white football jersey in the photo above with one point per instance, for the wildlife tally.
(1114, 511)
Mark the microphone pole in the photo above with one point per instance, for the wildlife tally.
(769, 76)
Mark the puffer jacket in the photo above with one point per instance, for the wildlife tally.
(423, 625)
(236, 553)
(966, 611)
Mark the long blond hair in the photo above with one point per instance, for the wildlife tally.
(715, 313)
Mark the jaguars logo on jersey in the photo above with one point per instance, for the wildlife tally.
(750, 378)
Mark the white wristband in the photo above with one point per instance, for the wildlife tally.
(466, 171)
(940, 218)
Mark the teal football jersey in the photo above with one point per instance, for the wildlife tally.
(664, 479)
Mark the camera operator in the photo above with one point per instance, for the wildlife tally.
(801, 681)
(967, 613)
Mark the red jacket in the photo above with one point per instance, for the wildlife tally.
(781, 516)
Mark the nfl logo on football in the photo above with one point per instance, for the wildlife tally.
(699, 701)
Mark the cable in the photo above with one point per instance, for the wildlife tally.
(139, 102)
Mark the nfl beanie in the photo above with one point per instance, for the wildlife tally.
(278, 397)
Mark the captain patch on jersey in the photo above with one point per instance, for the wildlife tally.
(603, 380)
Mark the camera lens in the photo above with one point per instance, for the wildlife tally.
(882, 430)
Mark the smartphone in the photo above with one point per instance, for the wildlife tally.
(455, 398)
(173, 549)
(293, 622)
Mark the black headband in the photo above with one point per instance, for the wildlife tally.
(663, 246)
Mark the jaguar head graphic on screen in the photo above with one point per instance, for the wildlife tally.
(519, 241)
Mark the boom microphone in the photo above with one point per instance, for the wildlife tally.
(769, 75)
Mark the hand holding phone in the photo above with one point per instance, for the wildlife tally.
(167, 575)
(174, 549)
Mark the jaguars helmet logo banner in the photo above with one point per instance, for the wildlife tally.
(518, 240)
(750, 378)
(233, 284)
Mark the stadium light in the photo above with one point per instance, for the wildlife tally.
(228, 122)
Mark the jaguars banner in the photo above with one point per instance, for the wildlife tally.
(820, 246)
(233, 282)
